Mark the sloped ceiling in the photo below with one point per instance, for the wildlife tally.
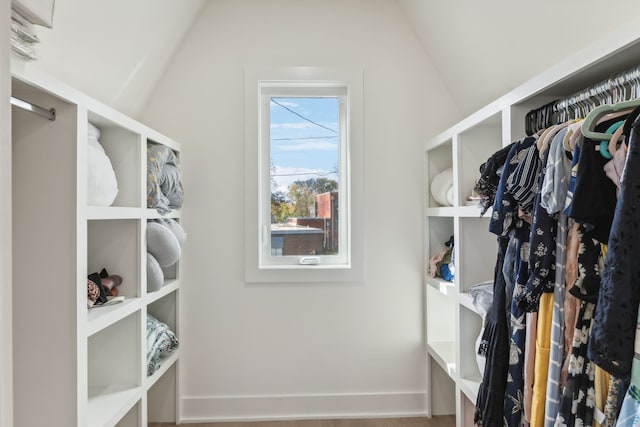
(483, 49)
(114, 50)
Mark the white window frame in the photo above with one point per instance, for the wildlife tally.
(261, 84)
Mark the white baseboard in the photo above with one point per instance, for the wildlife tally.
(292, 407)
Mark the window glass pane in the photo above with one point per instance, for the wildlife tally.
(304, 163)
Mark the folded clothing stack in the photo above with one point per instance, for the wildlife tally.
(23, 36)
(161, 341)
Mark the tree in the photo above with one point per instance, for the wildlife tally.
(281, 209)
(303, 194)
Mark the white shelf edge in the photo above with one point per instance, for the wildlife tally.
(113, 212)
(107, 405)
(441, 211)
(169, 287)
(443, 286)
(444, 353)
(457, 211)
(466, 301)
(99, 318)
(166, 363)
(473, 212)
(470, 388)
(152, 213)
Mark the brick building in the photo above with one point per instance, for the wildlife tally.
(310, 235)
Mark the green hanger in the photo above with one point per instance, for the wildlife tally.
(591, 120)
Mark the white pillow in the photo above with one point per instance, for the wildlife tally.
(162, 244)
(175, 228)
(155, 276)
(102, 185)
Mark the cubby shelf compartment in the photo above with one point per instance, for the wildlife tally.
(124, 149)
(476, 251)
(441, 329)
(115, 246)
(108, 404)
(113, 370)
(438, 159)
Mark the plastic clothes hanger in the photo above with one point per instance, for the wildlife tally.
(574, 128)
(601, 112)
(613, 142)
(541, 140)
(603, 147)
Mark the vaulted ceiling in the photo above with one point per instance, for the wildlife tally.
(117, 50)
(114, 50)
(483, 49)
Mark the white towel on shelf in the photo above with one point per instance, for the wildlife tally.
(442, 187)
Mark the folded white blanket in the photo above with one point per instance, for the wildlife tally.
(102, 184)
(442, 187)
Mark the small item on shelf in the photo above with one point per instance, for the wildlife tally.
(442, 264)
(473, 200)
(93, 293)
(110, 283)
(102, 289)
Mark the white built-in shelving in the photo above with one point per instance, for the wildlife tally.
(75, 366)
(452, 322)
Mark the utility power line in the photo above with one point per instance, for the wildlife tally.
(302, 117)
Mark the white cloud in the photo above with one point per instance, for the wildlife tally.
(288, 175)
(303, 126)
(284, 103)
(306, 145)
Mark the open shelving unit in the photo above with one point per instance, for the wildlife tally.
(452, 322)
(84, 367)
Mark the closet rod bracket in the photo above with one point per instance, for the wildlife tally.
(49, 114)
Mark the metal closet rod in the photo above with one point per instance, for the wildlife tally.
(49, 114)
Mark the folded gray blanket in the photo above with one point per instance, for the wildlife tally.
(164, 187)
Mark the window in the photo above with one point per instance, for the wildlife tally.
(301, 135)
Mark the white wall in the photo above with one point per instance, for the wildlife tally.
(483, 49)
(114, 50)
(278, 351)
(6, 375)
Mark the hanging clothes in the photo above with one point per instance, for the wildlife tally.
(611, 345)
(516, 272)
(557, 344)
(495, 340)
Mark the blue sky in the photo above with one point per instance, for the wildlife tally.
(300, 149)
